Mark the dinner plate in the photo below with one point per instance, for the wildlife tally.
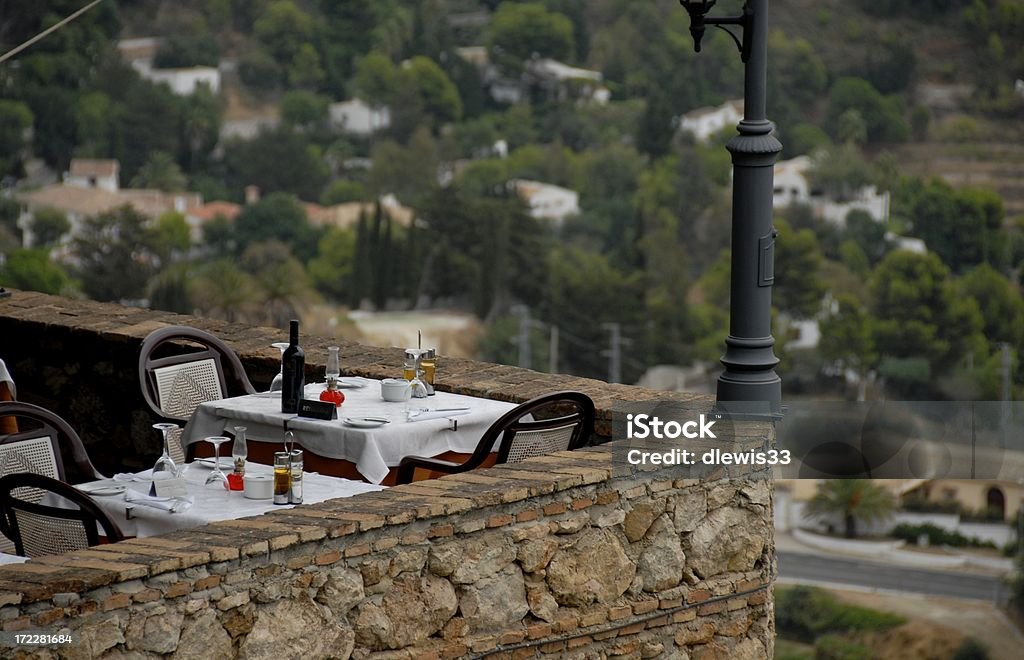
(365, 422)
(226, 463)
(102, 489)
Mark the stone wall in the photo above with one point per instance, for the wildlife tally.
(79, 359)
(559, 555)
(549, 556)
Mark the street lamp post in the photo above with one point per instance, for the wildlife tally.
(749, 384)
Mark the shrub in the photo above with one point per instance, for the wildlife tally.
(806, 613)
(938, 536)
(833, 647)
(971, 649)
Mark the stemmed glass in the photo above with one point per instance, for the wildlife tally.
(217, 476)
(165, 467)
(278, 383)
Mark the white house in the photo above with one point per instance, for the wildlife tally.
(358, 118)
(93, 173)
(566, 81)
(705, 122)
(184, 81)
(792, 186)
(915, 245)
(547, 201)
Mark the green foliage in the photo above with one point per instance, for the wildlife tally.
(171, 235)
(882, 115)
(282, 282)
(518, 30)
(410, 173)
(186, 50)
(439, 96)
(259, 70)
(301, 108)
(283, 28)
(804, 138)
(48, 226)
(1002, 308)
(971, 649)
(161, 173)
(964, 227)
(807, 613)
(331, 270)
(937, 536)
(836, 647)
(343, 190)
(853, 500)
(278, 160)
(798, 283)
(116, 255)
(305, 71)
(840, 171)
(222, 290)
(918, 311)
(846, 336)
(15, 120)
(277, 217)
(32, 270)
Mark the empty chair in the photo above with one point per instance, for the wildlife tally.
(42, 529)
(45, 444)
(175, 380)
(521, 435)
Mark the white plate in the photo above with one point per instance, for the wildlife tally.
(226, 463)
(365, 422)
(102, 489)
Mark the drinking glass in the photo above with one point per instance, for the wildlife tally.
(278, 383)
(333, 365)
(217, 476)
(165, 467)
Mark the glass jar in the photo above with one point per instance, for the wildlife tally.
(295, 489)
(428, 362)
(411, 363)
(282, 477)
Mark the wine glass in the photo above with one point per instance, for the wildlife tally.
(165, 467)
(278, 383)
(217, 476)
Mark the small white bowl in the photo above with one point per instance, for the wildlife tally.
(258, 487)
(395, 389)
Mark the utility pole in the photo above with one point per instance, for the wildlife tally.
(553, 350)
(523, 341)
(614, 352)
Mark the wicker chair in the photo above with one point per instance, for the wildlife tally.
(520, 438)
(39, 529)
(45, 444)
(174, 382)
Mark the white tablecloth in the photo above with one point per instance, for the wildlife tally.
(372, 451)
(212, 503)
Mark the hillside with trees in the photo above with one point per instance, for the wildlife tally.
(914, 98)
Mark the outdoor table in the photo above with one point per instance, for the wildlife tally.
(372, 451)
(11, 559)
(209, 503)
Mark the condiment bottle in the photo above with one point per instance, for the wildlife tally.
(282, 477)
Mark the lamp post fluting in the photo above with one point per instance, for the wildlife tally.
(749, 384)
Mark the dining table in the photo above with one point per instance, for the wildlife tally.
(371, 434)
(127, 500)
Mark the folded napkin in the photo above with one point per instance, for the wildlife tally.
(440, 413)
(128, 476)
(170, 504)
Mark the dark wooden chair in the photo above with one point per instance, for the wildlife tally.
(520, 438)
(39, 529)
(175, 380)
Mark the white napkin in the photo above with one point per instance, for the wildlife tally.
(128, 476)
(441, 413)
(6, 376)
(170, 504)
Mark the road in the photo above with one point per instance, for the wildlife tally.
(843, 571)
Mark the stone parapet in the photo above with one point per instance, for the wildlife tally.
(550, 556)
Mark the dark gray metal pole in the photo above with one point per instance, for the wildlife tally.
(749, 383)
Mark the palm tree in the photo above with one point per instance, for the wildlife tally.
(854, 499)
